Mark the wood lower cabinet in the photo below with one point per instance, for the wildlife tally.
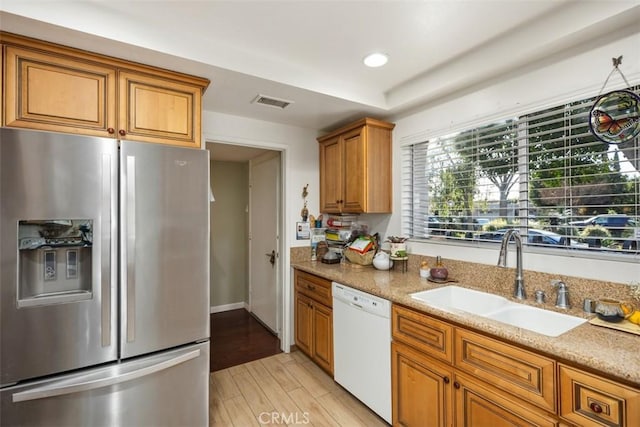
(590, 400)
(520, 372)
(313, 314)
(422, 389)
(56, 88)
(444, 375)
(355, 168)
(478, 404)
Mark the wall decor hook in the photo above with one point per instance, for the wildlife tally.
(617, 61)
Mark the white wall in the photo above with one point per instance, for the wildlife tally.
(577, 73)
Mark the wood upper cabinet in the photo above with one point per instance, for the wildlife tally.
(355, 168)
(55, 88)
(153, 109)
(314, 318)
(47, 91)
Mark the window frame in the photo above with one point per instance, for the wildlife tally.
(407, 184)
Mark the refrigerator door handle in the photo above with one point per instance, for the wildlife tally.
(130, 248)
(82, 384)
(106, 203)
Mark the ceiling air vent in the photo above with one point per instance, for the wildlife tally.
(270, 101)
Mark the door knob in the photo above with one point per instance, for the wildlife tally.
(272, 257)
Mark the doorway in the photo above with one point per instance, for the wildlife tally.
(237, 245)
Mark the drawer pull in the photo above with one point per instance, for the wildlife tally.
(595, 408)
(446, 380)
(311, 287)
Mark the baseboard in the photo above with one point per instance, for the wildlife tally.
(227, 307)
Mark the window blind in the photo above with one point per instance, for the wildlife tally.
(543, 172)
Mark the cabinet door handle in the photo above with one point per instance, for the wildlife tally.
(456, 384)
(111, 131)
(122, 132)
(446, 380)
(595, 407)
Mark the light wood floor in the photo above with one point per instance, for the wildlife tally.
(285, 389)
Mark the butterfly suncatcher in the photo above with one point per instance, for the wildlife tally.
(615, 117)
(605, 124)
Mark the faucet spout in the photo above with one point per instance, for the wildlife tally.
(518, 285)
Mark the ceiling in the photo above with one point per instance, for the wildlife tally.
(310, 52)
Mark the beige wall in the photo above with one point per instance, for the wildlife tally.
(229, 233)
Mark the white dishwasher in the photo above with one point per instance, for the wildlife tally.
(362, 347)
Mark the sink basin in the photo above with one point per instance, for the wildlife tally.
(535, 319)
(455, 299)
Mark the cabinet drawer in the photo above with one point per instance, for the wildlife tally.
(479, 404)
(589, 400)
(517, 371)
(315, 287)
(429, 335)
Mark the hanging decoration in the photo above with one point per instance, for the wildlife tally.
(615, 116)
(304, 213)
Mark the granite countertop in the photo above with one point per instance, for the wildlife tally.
(613, 354)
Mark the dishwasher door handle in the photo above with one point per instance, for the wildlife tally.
(353, 304)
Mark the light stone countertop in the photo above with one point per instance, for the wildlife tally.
(612, 354)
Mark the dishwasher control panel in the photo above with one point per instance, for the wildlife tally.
(361, 300)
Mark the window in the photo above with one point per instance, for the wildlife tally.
(543, 172)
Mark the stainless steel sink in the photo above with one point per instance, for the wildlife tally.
(456, 299)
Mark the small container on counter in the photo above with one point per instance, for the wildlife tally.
(424, 270)
(439, 272)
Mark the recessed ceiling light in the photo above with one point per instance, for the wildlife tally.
(375, 60)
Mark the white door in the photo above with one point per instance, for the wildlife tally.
(264, 259)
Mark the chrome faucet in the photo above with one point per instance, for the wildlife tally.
(518, 285)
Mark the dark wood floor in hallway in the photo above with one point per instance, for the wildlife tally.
(237, 337)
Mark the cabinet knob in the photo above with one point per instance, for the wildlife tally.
(111, 131)
(122, 132)
(446, 380)
(311, 287)
(456, 384)
(595, 407)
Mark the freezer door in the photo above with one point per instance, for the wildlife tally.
(164, 261)
(166, 389)
(57, 304)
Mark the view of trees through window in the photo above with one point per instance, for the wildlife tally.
(544, 173)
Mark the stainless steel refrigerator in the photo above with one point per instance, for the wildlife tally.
(104, 269)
